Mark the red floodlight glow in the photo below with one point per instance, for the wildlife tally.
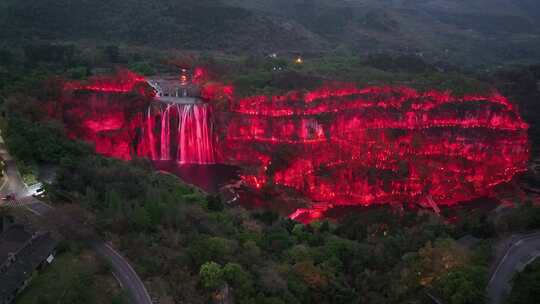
(337, 145)
(377, 145)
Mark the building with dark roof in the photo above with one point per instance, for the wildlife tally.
(21, 254)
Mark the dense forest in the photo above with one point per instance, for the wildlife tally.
(469, 33)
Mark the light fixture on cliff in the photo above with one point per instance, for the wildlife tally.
(184, 78)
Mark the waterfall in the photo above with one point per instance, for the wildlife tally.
(194, 135)
(193, 139)
(150, 134)
(166, 134)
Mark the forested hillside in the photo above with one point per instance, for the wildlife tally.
(191, 24)
(469, 32)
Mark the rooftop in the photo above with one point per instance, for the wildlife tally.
(12, 241)
(29, 252)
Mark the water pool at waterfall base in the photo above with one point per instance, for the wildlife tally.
(209, 178)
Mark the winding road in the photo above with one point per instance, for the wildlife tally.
(121, 269)
(521, 251)
(123, 272)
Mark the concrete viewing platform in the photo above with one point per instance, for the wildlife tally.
(179, 100)
(171, 90)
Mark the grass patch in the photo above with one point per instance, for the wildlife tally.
(75, 276)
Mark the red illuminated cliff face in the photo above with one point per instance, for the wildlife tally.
(348, 146)
(124, 81)
(109, 121)
(338, 145)
(106, 111)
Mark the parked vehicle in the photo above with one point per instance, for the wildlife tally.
(39, 192)
(9, 197)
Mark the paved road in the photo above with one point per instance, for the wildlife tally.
(124, 273)
(122, 270)
(521, 252)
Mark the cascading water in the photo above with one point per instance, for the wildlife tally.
(193, 139)
(149, 132)
(194, 135)
(166, 134)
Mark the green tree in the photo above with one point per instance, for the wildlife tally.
(143, 68)
(79, 72)
(210, 249)
(214, 203)
(435, 260)
(238, 279)
(464, 286)
(211, 275)
(526, 285)
(140, 219)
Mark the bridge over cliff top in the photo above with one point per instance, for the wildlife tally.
(173, 90)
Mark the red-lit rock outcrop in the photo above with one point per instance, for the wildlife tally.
(106, 111)
(377, 145)
(124, 81)
(337, 145)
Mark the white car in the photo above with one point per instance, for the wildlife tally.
(39, 192)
